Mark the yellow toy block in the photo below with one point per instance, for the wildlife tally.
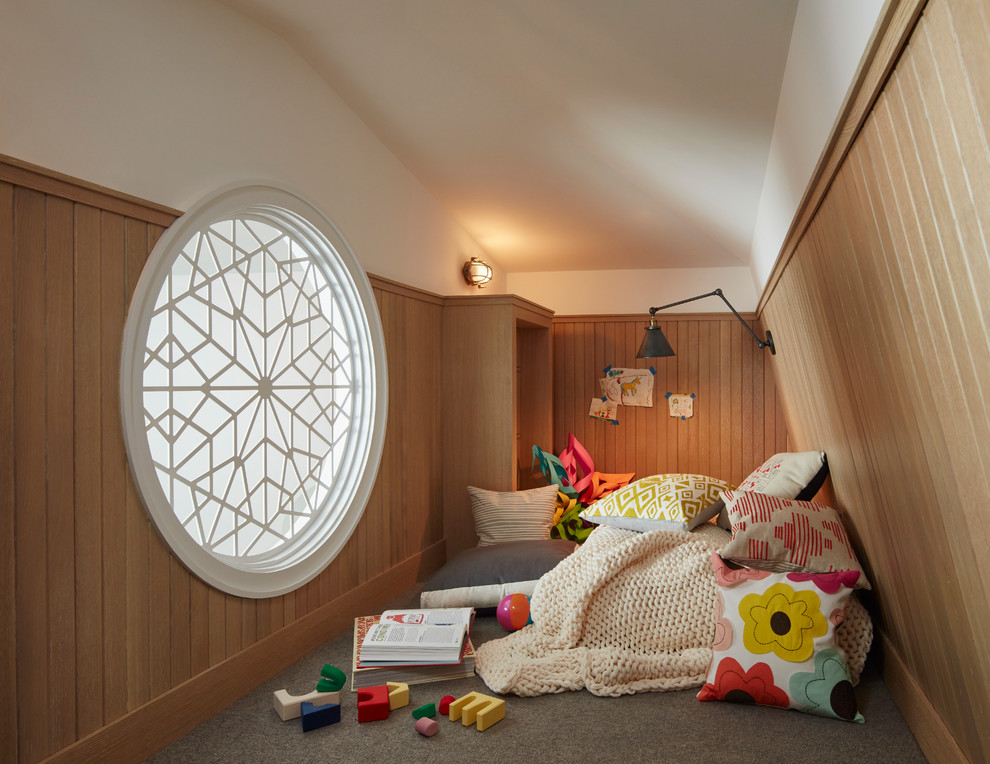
(288, 706)
(398, 695)
(474, 706)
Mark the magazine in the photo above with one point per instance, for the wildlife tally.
(369, 676)
(406, 637)
(444, 616)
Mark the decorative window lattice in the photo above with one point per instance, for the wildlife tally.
(247, 387)
(255, 392)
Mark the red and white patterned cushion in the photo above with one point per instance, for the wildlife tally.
(771, 533)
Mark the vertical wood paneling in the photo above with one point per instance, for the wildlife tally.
(734, 428)
(104, 618)
(113, 463)
(88, 472)
(60, 544)
(136, 585)
(885, 364)
(8, 564)
(478, 426)
(31, 536)
(180, 623)
(199, 626)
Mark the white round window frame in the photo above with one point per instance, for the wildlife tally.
(308, 554)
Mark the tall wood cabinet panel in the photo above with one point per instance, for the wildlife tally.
(497, 401)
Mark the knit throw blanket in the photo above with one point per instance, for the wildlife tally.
(627, 612)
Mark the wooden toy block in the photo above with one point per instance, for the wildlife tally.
(429, 709)
(288, 706)
(314, 717)
(475, 707)
(333, 679)
(398, 695)
(427, 726)
(372, 704)
(445, 701)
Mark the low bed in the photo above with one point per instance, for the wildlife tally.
(629, 612)
(662, 597)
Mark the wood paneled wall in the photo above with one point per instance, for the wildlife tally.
(497, 391)
(737, 422)
(100, 618)
(883, 360)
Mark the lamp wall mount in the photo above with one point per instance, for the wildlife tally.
(655, 345)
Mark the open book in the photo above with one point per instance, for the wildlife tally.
(407, 637)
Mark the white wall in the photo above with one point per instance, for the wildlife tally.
(827, 44)
(636, 291)
(170, 99)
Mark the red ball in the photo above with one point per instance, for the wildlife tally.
(513, 612)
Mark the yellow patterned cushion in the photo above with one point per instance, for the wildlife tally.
(666, 502)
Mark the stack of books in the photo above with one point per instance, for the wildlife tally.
(412, 646)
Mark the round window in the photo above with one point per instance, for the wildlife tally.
(253, 390)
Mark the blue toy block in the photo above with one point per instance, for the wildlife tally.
(314, 717)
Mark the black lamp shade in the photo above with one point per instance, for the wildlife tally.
(654, 344)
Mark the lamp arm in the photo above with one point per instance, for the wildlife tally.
(689, 299)
(768, 342)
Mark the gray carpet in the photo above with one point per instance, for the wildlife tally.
(574, 726)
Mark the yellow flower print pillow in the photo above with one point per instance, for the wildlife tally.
(775, 641)
(659, 502)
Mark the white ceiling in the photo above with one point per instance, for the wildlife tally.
(565, 134)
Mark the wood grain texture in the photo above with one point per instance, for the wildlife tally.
(59, 410)
(885, 364)
(484, 340)
(890, 34)
(87, 396)
(100, 608)
(734, 427)
(137, 735)
(8, 518)
(30, 472)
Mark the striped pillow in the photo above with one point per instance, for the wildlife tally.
(512, 515)
(782, 535)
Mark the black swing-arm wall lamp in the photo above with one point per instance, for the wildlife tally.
(655, 345)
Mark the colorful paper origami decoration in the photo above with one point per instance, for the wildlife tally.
(578, 484)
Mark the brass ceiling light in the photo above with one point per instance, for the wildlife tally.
(477, 272)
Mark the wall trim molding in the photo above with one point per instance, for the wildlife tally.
(922, 719)
(148, 729)
(645, 317)
(20, 173)
(404, 290)
(890, 36)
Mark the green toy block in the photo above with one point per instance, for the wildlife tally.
(430, 709)
(333, 679)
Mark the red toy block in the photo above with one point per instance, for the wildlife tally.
(372, 703)
(445, 702)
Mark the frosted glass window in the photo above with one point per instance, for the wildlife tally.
(253, 390)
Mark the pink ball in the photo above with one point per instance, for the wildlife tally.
(513, 612)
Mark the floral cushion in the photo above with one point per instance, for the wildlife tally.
(785, 534)
(660, 502)
(775, 641)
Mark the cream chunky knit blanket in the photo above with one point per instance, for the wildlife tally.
(628, 612)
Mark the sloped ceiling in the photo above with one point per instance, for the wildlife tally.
(565, 134)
